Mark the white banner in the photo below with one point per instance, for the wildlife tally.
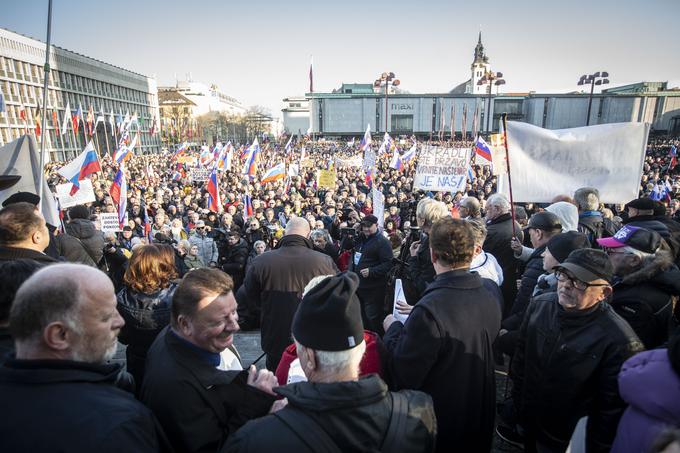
(84, 195)
(442, 169)
(109, 222)
(545, 163)
(200, 174)
(353, 162)
(379, 206)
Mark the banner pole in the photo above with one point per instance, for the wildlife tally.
(46, 84)
(504, 118)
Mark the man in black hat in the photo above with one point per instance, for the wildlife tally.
(571, 347)
(542, 227)
(645, 283)
(641, 214)
(334, 410)
(372, 260)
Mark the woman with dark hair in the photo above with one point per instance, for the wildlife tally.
(145, 301)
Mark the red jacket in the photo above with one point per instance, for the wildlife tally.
(370, 363)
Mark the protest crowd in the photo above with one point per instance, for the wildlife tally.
(387, 313)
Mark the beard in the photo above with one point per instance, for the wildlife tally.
(88, 352)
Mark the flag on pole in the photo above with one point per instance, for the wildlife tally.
(396, 162)
(453, 120)
(82, 166)
(674, 157)
(369, 177)
(119, 194)
(311, 74)
(482, 149)
(147, 224)
(252, 157)
(67, 118)
(475, 126)
(463, 123)
(112, 121)
(366, 141)
(36, 118)
(247, 207)
(289, 147)
(408, 155)
(275, 173)
(213, 192)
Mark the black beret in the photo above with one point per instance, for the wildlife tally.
(19, 197)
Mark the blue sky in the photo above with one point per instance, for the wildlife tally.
(259, 51)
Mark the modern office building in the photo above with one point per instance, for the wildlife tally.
(77, 81)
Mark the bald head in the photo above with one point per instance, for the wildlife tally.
(297, 225)
(48, 316)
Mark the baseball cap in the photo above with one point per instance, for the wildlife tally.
(546, 221)
(369, 220)
(636, 237)
(588, 265)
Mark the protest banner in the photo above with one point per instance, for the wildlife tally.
(353, 162)
(443, 169)
(200, 174)
(189, 160)
(379, 206)
(369, 159)
(545, 163)
(109, 222)
(326, 179)
(84, 195)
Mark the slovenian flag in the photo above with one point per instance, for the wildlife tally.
(396, 162)
(252, 157)
(366, 141)
(369, 177)
(247, 206)
(408, 155)
(674, 157)
(482, 149)
(82, 166)
(214, 192)
(275, 173)
(289, 146)
(119, 194)
(181, 150)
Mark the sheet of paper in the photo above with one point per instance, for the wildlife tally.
(398, 296)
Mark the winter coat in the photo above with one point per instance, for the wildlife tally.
(76, 405)
(18, 253)
(644, 298)
(651, 388)
(532, 270)
(420, 269)
(207, 249)
(145, 316)
(193, 262)
(376, 256)
(565, 367)
(82, 243)
(234, 262)
(371, 362)
(486, 265)
(444, 349)
(274, 285)
(649, 222)
(354, 414)
(197, 404)
(497, 242)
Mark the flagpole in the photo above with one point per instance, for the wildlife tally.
(106, 137)
(504, 118)
(45, 87)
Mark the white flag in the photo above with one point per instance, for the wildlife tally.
(67, 118)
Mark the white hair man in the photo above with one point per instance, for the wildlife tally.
(334, 410)
(65, 324)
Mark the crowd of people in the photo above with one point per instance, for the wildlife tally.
(575, 301)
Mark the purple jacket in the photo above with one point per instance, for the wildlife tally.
(652, 390)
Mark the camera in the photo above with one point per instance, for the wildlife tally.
(348, 232)
(415, 234)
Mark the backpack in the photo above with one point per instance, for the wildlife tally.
(606, 228)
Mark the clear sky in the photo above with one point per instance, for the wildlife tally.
(259, 50)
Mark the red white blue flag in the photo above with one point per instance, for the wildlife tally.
(82, 166)
(213, 192)
(482, 149)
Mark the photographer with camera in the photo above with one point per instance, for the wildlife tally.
(420, 270)
(372, 261)
(235, 257)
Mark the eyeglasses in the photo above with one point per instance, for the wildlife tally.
(200, 228)
(576, 283)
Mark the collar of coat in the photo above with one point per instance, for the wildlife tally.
(501, 218)
(456, 279)
(195, 363)
(661, 263)
(41, 372)
(292, 240)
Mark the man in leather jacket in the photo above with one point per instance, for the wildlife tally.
(571, 347)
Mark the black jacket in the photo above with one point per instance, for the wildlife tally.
(566, 366)
(82, 243)
(145, 316)
(532, 270)
(420, 269)
(497, 242)
(234, 262)
(274, 285)
(444, 349)
(355, 415)
(77, 408)
(16, 253)
(644, 298)
(376, 256)
(197, 404)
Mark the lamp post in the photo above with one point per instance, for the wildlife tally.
(490, 78)
(384, 80)
(599, 78)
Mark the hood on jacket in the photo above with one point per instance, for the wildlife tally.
(319, 397)
(81, 228)
(649, 384)
(660, 272)
(567, 213)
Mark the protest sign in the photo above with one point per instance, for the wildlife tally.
(84, 195)
(189, 160)
(200, 174)
(353, 162)
(109, 222)
(326, 179)
(369, 159)
(379, 206)
(442, 169)
(545, 163)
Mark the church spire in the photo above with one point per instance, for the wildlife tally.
(480, 57)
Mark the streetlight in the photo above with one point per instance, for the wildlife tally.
(384, 80)
(491, 78)
(599, 78)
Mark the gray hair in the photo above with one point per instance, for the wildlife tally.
(500, 201)
(256, 243)
(587, 198)
(430, 210)
(472, 205)
(336, 362)
(320, 234)
(644, 256)
(184, 244)
(478, 230)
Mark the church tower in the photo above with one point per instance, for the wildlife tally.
(480, 65)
